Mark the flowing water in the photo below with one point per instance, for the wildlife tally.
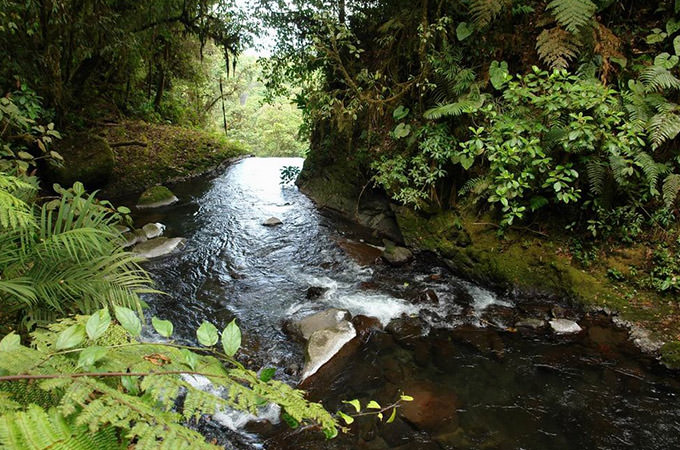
(483, 384)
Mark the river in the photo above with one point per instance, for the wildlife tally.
(488, 385)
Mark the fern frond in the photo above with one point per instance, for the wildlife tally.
(572, 14)
(463, 105)
(670, 189)
(596, 171)
(658, 78)
(485, 11)
(556, 47)
(664, 126)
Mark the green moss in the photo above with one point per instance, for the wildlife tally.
(155, 194)
(87, 158)
(670, 354)
(155, 154)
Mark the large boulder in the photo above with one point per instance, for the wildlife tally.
(87, 158)
(155, 197)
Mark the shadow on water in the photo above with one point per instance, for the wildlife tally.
(478, 383)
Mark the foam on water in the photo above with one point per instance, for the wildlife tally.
(381, 306)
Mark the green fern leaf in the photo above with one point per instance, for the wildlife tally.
(572, 14)
(556, 47)
(485, 11)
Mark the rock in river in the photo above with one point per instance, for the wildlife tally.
(564, 326)
(155, 197)
(324, 344)
(272, 222)
(158, 247)
(395, 255)
(329, 318)
(153, 230)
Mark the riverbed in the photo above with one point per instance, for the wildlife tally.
(480, 381)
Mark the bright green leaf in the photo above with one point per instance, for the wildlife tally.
(162, 327)
(392, 416)
(128, 320)
(267, 374)
(354, 403)
(98, 323)
(207, 334)
(373, 405)
(70, 337)
(91, 355)
(406, 398)
(10, 342)
(231, 338)
(190, 358)
(348, 419)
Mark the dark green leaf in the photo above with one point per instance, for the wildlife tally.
(267, 374)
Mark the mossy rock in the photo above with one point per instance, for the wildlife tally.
(670, 354)
(156, 196)
(87, 158)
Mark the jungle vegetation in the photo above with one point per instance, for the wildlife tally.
(559, 113)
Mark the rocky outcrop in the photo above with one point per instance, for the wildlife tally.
(396, 255)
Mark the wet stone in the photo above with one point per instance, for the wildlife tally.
(564, 326)
(153, 230)
(395, 255)
(272, 222)
(530, 323)
(427, 297)
(315, 292)
(158, 247)
(329, 318)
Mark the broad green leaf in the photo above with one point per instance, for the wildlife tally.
(10, 342)
(56, 155)
(354, 403)
(392, 416)
(207, 334)
(267, 374)
(162, 327)
(128, 320)
(466, 162)
(406, 398)
(498, 74)
(70, 337)
(373, 405)
(400, 112)
(91, 355)
(676, 45)
(124, 210)
(231, 338)
(463, 31)
(25, 155)
(401, 131)
(672, 26)
(348, 419)
(98, 323)
(190, 358)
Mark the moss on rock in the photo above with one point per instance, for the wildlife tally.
(87, 158)
(670, 354)
(156, 196)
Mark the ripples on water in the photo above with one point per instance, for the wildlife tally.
(540, 394)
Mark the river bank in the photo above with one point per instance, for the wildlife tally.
(523, 262)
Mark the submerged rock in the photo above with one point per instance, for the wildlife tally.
(534, 324)
(565, 326)
(433, 406)
(153, 230)
(155, 197)
(272, 222)
(158, 247)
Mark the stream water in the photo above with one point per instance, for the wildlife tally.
(480, 384)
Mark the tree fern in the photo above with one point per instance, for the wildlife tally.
(572, 14)
(463, 105)
(556, 47)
